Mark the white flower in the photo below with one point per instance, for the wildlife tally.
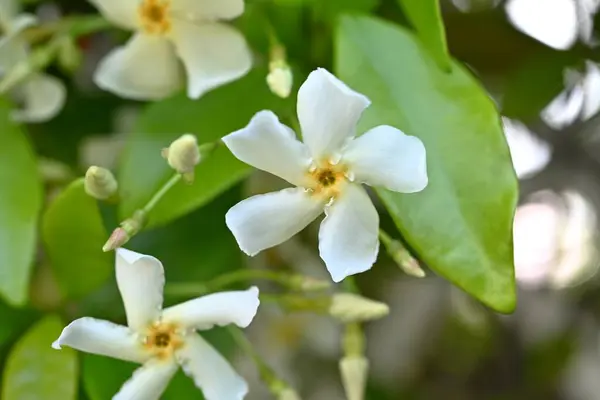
(327, 169)
(42, 96)
(163, 339)
(146, 68)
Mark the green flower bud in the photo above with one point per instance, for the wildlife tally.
(349, 307)
(100, 183)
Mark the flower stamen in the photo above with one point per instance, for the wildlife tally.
(154, 16)
(163, 339)
(326, 179)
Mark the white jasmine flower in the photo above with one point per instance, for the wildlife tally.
(146, 68)
(40, 95)
(163, 339)
(327, 169)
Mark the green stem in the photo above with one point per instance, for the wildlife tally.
(196, 289)
(385, 238)
(161, 193)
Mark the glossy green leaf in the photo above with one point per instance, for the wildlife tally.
(218, 113)
(461, 224)
(16, 320)
(332, 8)
(73, 233)
(34, 370)
(20, 203)
(426, 17)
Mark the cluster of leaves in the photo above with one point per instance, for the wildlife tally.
(460, 226)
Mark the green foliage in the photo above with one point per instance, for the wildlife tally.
(461, 224)
(426, 17)
(20, 203)
(36, 371)
(213, 116)
(73, 233)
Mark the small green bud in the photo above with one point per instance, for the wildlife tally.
(405, 260)
(288, 394)
(69, 54)
(349, 307)
(354, 371)
(183, 155)
(308, 284)
(129, 228)
(280, 78)
(100, 183)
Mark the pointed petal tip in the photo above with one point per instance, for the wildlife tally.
(56, 344)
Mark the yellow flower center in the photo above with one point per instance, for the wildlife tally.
(327, 179)
(163, 339)
(154, 16)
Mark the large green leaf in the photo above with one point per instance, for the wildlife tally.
(426, 17)
(73, 233)
(35, 370)
(20, 203)
(15, 321)
(461, 224)
(220, 112)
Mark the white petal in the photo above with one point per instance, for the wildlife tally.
(123, 13)
(210, 371)
(385, 156)
(349, 235)
(267, 144)
(209, 10)
(102, 337)
(237, 307)
(43, 97)
(267, 220)
(141, 280)
(213, 54)
(126, 70)
(149, 381)
(328, 111)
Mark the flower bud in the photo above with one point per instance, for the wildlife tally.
(288, 394)
(308, 284)
(129, 228)
(117, 239)
(280, 78)
(349, 307)
(100, 183)
(354, 370)
(407, 263)
(183, 155)
(69, 55)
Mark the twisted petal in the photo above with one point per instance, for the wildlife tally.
(123, 13)
(209, 10)
(267, 220)
(210, 371)
(102, 337)
(269, 145)
(385, 156)
(141, 280)
(213, 54)
(349, 235)
(328, 111)
(146, 68)
(149, 381)
(237, 307)
(43, 97)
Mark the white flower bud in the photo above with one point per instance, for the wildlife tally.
(280, 79)
(354, 370)
(100, 183)
(349, 307)
(183, 155)
(288, 394)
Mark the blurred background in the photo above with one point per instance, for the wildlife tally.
(539, 60)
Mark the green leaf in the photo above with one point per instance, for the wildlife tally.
(426, 17)
(329, 10)
(73, 233)
(461, 224)
(16, 320)
(34, 370)
(218, 113)
(20, 203)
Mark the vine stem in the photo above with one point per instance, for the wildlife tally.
(161, 193)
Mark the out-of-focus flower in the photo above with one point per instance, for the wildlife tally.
(164, 339)
(40, 95)
(554, 240)
(280, 78)
(579, 101)
(529, 153)
(147, 67)
(328, 169)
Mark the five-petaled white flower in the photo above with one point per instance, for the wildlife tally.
(41, 96)
(147, 68)
(327, 169)
(164, 339)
